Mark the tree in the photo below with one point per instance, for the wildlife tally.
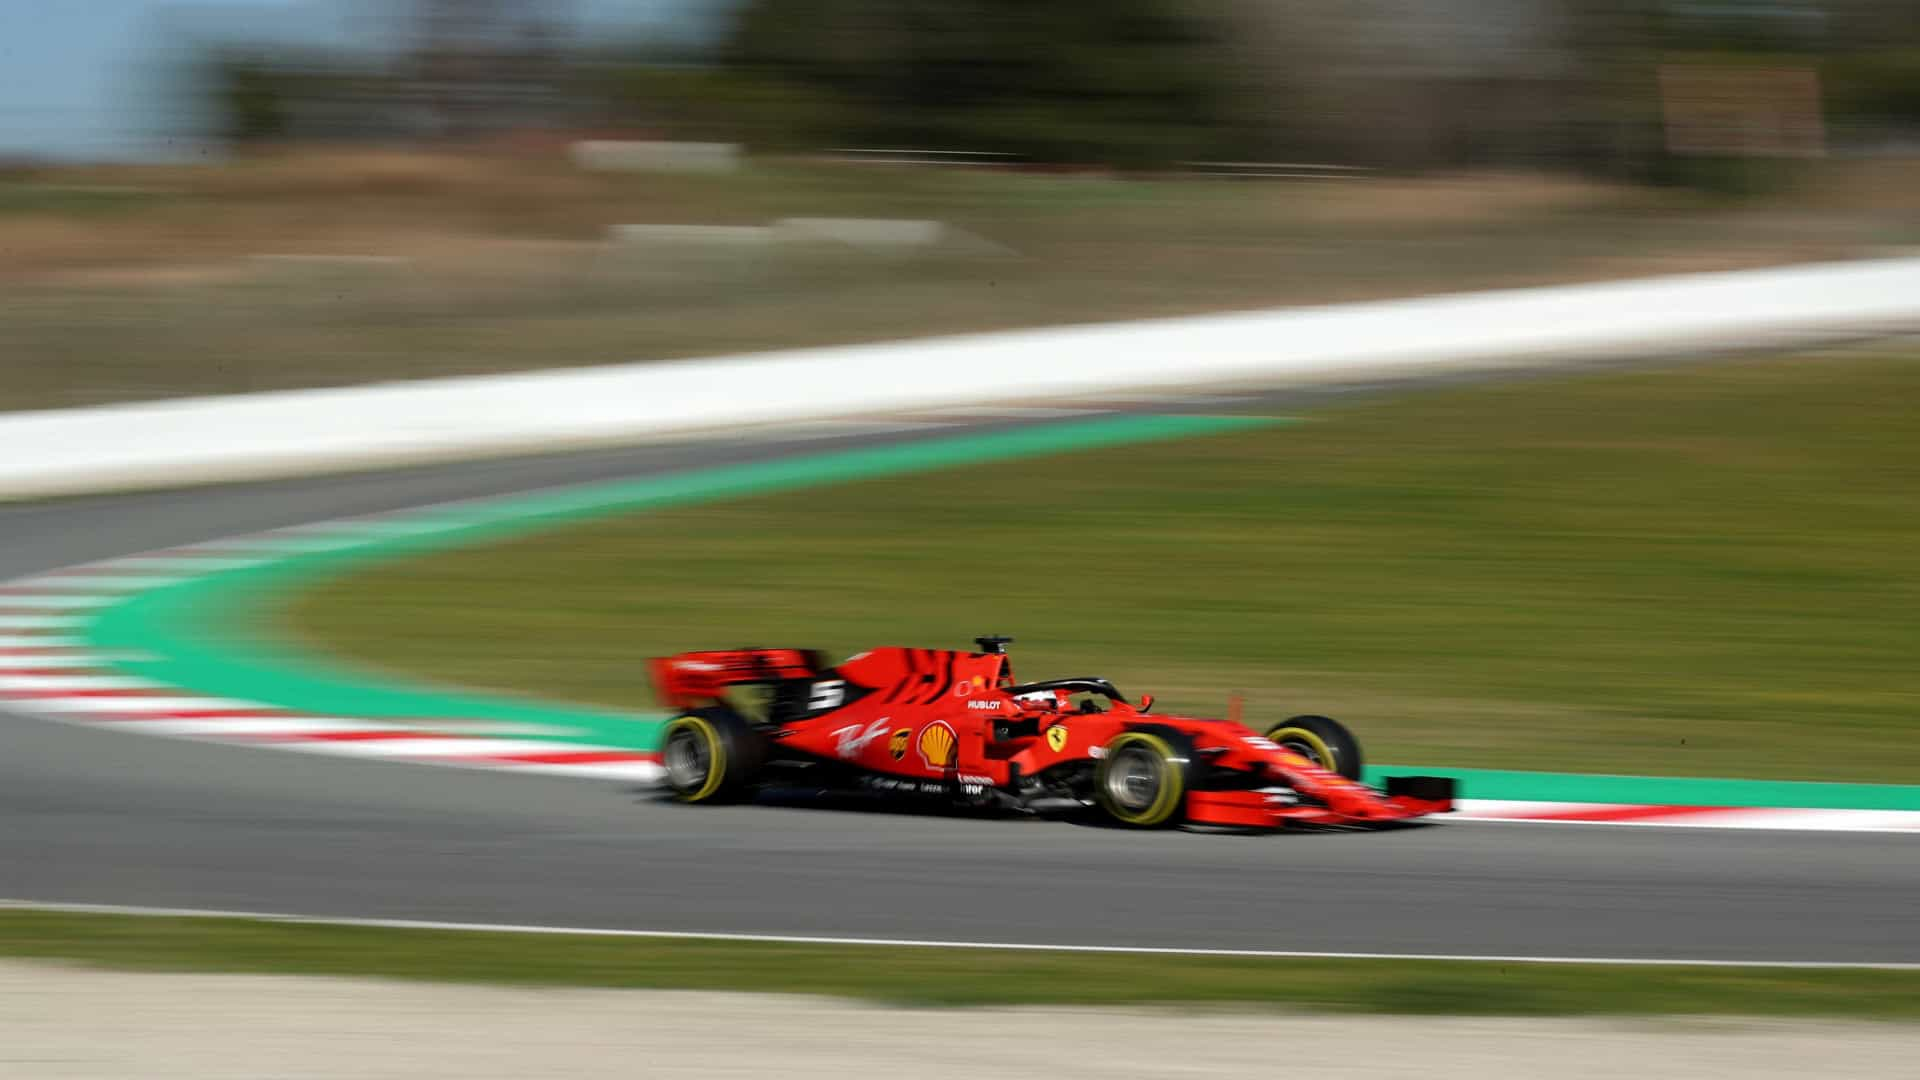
(1131, 82)
(250, 97)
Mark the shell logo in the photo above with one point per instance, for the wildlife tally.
(936, 744)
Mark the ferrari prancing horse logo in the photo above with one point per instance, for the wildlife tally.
(1057, 738)
(897, 745)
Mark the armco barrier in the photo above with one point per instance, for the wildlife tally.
(259, 435)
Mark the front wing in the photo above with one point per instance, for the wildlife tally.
(1347, 803)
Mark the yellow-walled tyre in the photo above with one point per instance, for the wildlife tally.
(1143, 776)
(1322, 740)
(710, 755)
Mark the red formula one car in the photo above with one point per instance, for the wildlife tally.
(952, 725)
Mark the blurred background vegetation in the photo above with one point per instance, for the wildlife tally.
(1403, 84)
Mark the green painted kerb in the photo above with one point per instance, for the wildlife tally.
(203, 633)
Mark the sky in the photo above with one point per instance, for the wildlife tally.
(83, 79)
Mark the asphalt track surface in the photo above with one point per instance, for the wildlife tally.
(92, 816)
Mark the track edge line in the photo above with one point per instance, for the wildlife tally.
(144, 911)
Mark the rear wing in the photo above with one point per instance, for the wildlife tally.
(693, 679)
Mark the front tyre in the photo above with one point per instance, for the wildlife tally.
(1322, 740)
(1142, 777)
(710, 755)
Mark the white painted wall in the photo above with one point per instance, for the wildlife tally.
(259, 435)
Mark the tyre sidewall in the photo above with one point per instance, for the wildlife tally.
(1175, 752)
(734, 754)
(1335, 746)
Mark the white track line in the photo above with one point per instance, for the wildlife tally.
(55, 601)
(807, 430)
(1772, 818)
(132, 706)
(626, 772)
(433, 746)
(1174, 400)
(1750, 825)
(79, 661)
(62, 582)
(40, 641)
(39, 622)
(251, 727)
(1006, 412)
(77, 682)
(191, 566)
(924, 943)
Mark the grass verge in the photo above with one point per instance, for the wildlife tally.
(1707, 571)
(932, 976)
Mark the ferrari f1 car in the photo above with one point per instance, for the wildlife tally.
(956, 726)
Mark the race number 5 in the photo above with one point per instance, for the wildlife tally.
(826, 694)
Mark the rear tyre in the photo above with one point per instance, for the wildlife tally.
(711, 755)
(1143, 777)
(1322, 740)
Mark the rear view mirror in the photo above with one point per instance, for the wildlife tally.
(1146, 702)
